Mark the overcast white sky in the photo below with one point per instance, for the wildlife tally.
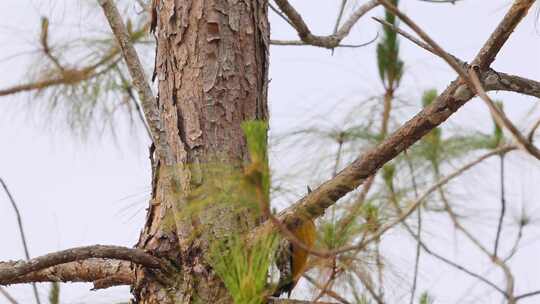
(73, 193)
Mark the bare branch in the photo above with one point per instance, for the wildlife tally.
(13, 269)
(302, 43)
(102, 272)
(528, 294)
(515, 246)
(500, 118)
(422, 197)
(511, 83)
(438, 50)
(454, 96)
(492, 80)
(460, 268)
(8, 296)
(280, 14)
(417, 255)
(136, 71)
(346, 28)
(423, 246)
(329, 292)
(530, 137)
(498, 38)
(331, 41)
(368, 285)
(44, 40)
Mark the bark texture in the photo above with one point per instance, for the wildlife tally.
(211, 70)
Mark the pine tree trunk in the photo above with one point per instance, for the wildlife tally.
(211, 70)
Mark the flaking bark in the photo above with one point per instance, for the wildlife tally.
(211, 71)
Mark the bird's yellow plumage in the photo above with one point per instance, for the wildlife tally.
(293, 259)
(307, 234)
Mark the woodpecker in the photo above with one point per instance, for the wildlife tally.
(291, 260)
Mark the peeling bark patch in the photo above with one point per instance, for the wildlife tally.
(213, 32)
(192, 125)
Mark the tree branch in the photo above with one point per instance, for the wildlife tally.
(492, 80)
(102, 272)
(140, 83)
(454, 96)
(10, 271)
(500, 118)
(331, 41)
(498, 38)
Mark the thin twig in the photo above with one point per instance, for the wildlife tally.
(424, 195)
(424, 247)
(331, 41)
(329, 292)
(461, 268)
(530, 136)
(368, 286)
(380, 268)
(329, 282)
(10, 298)
(21, 232)
(514, 248)
(509, 293)
(528, 294)
(340, 15)
(503, 207)
(129, 91)
(440, 52)
(280, 14)
(417, 257)
(338, 154)
(302, 43)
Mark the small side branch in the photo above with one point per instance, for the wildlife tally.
(8, 297)
(331, 41)
(140, 82)
(499, 117)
